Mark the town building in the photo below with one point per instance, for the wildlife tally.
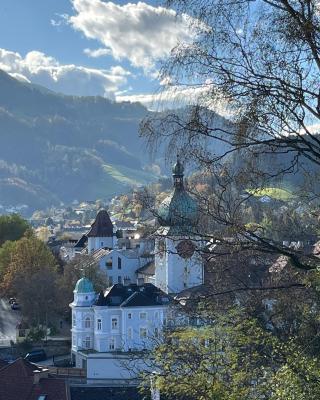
(178, 263)
(120, 320)
(22, 380)
(130, 315)
(102, 233)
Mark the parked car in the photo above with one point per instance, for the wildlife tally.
(36, 355)
(12, 300)
(15, 306)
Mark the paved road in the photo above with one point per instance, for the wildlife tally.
(49, 361)
(8, 322)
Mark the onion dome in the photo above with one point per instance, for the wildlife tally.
(102, 226)
(84, 285)
(179, 209)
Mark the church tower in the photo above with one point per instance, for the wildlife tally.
(101, 234)
(178, 263)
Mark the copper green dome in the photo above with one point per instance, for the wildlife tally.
(178, 168)
(84, 285)
(179, 209)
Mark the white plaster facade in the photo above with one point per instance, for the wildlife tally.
(96, 243)
(116, 329)
(174, 273)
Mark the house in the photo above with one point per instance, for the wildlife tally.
(22, 380)
(120, 265)
(107, 327)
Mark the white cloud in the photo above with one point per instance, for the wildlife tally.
(173, 97)
(71, 79)
(95, 53)
(138, 32)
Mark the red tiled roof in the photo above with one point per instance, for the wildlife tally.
(17, 383)
(19, 367)
(55, 389)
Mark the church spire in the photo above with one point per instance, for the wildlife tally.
(177, 173)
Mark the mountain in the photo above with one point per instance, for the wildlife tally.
(56, 148)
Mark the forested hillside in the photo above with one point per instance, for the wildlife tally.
(60, 148)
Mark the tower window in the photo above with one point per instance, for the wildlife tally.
(99, 324)
(129, 315)
(119, 263)
(74, 321)
(87, 322)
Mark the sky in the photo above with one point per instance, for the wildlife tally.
(89, 47)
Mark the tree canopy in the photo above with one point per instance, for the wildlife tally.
(12, 227)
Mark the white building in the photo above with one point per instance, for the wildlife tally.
(178, 263)
(128, 317)
(102, 233)
(121, 320)
(120, 265)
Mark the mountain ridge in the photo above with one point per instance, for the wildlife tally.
(57, 148)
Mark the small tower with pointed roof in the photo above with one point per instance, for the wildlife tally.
(178, 264)
(84, 297)
(101, 233)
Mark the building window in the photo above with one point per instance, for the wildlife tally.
(119, 279)
(74, 321)
(22, 332)
(129, 315)
(112, 344)
(109, 264)
(156, 315)
(114, 323)
(87, 342)
(143, 315)
(99, 324)
(143, 333)
(119, 263)
(110, 281)
(156, 332)
(87, 322)
(102, 244)
(130, 333)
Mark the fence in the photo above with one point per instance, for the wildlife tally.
(68, 372)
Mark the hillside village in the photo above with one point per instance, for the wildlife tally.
(159, 200)
(150, 282)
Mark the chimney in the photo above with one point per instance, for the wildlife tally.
(39, 374)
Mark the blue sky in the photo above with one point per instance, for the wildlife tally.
(88, 47)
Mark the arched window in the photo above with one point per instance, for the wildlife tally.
(87, 322)
(99, 324)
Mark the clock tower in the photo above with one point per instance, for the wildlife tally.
(178, 262)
